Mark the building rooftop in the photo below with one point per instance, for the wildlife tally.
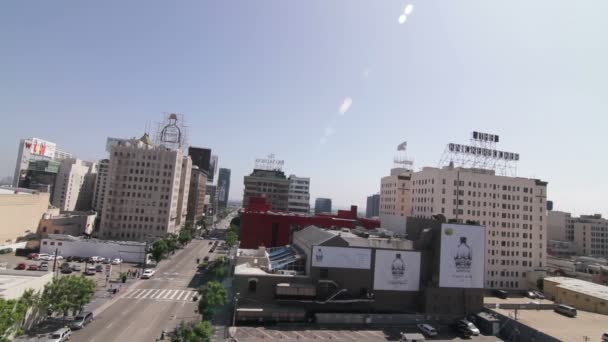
(66, 237)
(10, 278)
(581, 286)
(9, 190)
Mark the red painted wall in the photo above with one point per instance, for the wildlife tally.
(257, 224)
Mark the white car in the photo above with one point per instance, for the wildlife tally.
(60, 335)
(116, 261)
(96, 259)
(42, 257)
(148, 273)
(427, 329)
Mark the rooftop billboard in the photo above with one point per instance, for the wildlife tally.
(341, 257)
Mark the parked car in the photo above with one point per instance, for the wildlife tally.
(95, 259)
(206, 258)
(6, 250)
(501, 294)
(66, 268)
(539, 294)
(530, 294)
(99, 268)
(148, 273)
(90, 270)
(463, 324)
(605, 337)
(75, 267)
(44, 266)
(81, 320)
(427, 329)
(106, 261)
(566, 310)
(42, 256)
(32, 256)
(69, 258)
(21, 266)
(211, 242)
(116, 261)
(60, 335)
(32, 267)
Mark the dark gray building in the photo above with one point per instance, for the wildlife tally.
(330, 271)
(201, 157)
(322, 205)
(223, 185)
(372, 209)
(270, 184)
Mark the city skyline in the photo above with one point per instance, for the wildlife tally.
(352, 93)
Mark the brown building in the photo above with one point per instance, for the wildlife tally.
(21, 212)
(70, 223)
(196, 196)
(270, 184)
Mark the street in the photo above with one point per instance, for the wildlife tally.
(156, 304)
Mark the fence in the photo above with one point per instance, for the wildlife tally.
(379, 319)
(516, 331)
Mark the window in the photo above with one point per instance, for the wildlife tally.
(253, 285)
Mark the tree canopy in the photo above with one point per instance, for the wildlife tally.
(213, 295)
(159, 249)
(194, 332)
(66, 294)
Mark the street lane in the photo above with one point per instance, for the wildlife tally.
(146, 309)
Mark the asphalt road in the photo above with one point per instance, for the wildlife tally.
(162, 302)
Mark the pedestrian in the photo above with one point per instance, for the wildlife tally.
(129, 273)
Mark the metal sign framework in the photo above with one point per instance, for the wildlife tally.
(481, 153)
(172, 132)
(269, 163)
(401, 159)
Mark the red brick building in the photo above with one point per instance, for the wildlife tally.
(262, 227)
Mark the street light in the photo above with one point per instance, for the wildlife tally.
(236, 302)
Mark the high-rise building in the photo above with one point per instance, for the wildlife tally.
(74, 185)
(588, 233)
(213, 165)
(101, 185)
(373, 206)
(144, 187)
(196, 196)
(40, 175)
(322, 205)
(223, 184)
(210, 200)
(299, 195)
(201, 157)
(512, 209)
(184, 190)
(270, 184)
(396, 193)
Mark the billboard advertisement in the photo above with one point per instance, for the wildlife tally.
(340, 257)
(40, 147)
(397, 270)
(463, 252)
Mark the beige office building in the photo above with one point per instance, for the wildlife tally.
(74, 185)
(20, 213)
(512, 209)
(560, 226)
(395, 193)
(270, 184)
(591, 235)
(101, 185)
(144, 187)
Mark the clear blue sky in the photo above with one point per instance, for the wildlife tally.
(255, 77)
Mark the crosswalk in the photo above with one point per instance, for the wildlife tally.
(160, 294)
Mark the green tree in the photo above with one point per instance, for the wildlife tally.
(185, 236)
(231, 238)
(158, 250)
(171, 241)
(67, 294)
(12, 314)
(191, 332)
(213, 295)
(236, 221)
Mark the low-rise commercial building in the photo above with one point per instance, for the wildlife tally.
(70, 223)
(21, 211)
(583, 295)
(67, 245)
(440, 271)
(13, 284)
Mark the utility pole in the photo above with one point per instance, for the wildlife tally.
(55, 262)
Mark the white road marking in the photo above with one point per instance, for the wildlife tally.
(171, 294)
(134, 293)
(146, 294)
(158, 294)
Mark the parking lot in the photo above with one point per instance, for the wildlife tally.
(11, 261)
(302, 333)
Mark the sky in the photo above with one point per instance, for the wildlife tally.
(330, 87)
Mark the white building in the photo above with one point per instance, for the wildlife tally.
(512, 209)
(74, 185)
(144, 189)
(560, 226)
(101, 185)
(396, 199)
(588, 233)
(299, 195)
(66, 245)
(13, 284)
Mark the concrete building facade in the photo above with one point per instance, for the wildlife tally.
(560, 226)
(196, 196)
(512, 209)
(144, 182)
(271, 184)
(74, 185)
(591, 235)
(70, 223)
(101, 185)
(21, 211)
(581, 294)
(372, 209)
(67, 245)
(322, 205)
(299, 195)
(184, 191)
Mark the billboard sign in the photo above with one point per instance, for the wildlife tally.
(397, 270)
(481, 151)
(481, 136)
(40, 147)
(463, 251)
(341, 257)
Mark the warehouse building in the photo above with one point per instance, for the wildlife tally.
(581, 294)
(438, 270)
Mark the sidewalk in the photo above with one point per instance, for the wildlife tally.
(103, 298)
